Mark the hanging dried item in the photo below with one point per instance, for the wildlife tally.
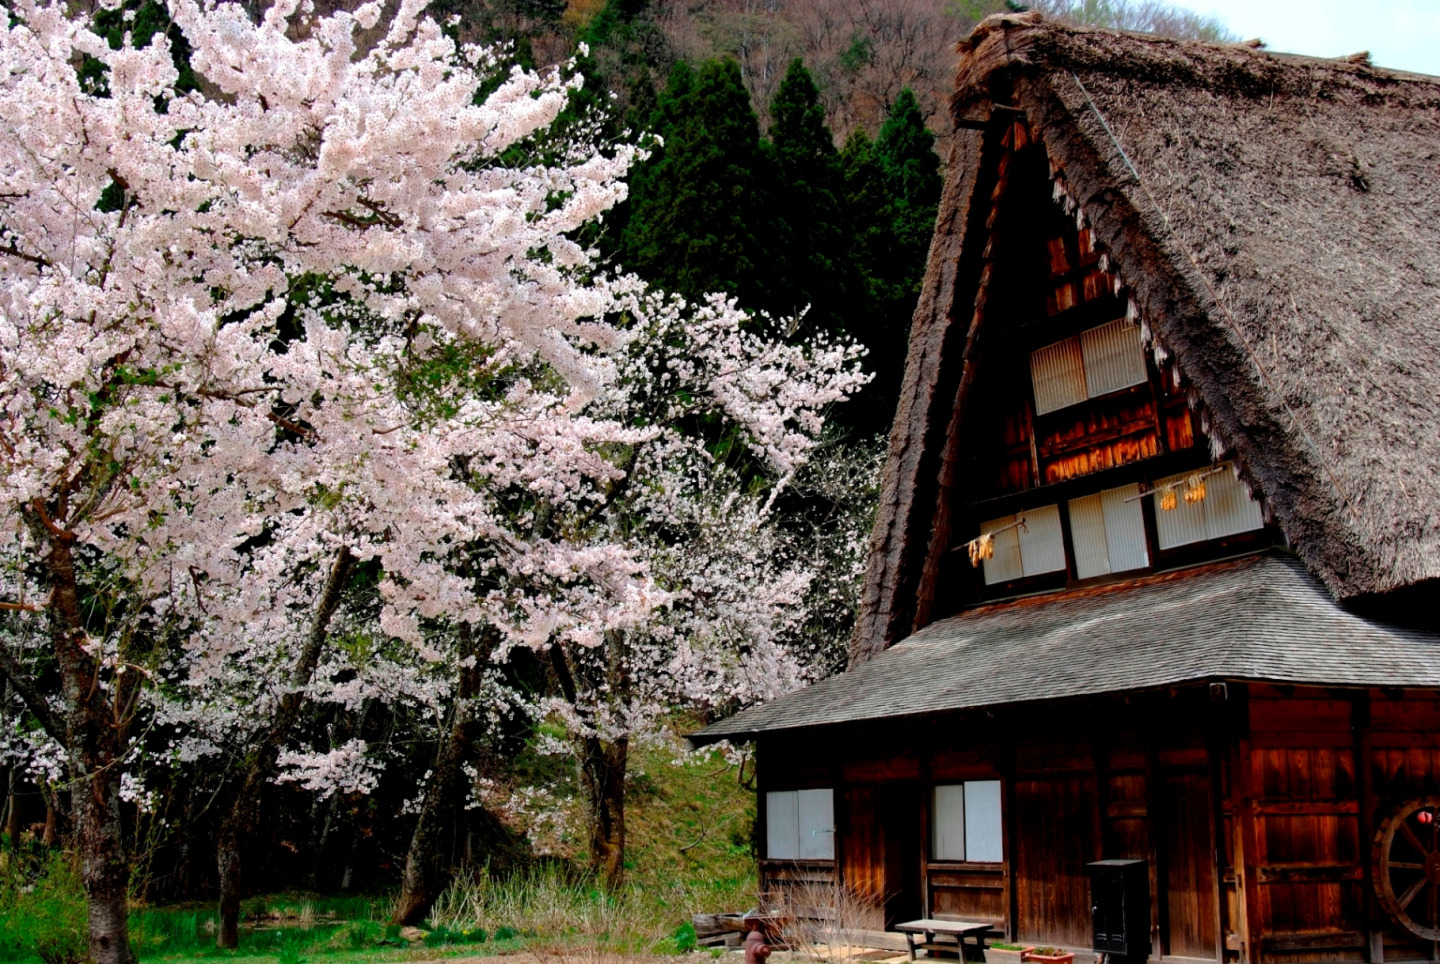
(1168, 501)
(982, 547)
(1195, 488)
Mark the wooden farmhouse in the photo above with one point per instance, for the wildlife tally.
(1156, 566)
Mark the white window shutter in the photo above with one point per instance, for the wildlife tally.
(1228, 509)
(1004, 565)
(1114, 357)
(1057, 374)
(948, 814)
(1125, 528)
(816, 824)
(984, 839)
(1042, 543)
(1225, 511)
(1087, 534)
(782, 825)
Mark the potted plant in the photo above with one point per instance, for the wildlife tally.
(1006, 953)
(1049, 955)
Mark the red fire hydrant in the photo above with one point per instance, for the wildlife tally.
(756, 950)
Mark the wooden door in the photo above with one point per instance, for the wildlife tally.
(900, 812)
(1186, 843)
(1054, 836)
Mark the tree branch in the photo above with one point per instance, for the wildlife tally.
(34, 700)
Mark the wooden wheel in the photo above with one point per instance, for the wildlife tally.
(1405, 865)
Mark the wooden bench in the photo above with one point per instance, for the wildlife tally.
(959, 930)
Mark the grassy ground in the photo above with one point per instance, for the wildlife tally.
(689, 850)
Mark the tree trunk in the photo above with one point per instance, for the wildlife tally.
(427, 873)
(602, 762)
(12, 815)
(602, 772)
(94, 739)
(237, 826)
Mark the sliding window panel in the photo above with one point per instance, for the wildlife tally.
(1087, 535)
(1114, 358)
(1125, 528)
(1228, 509)
(816, 824)
(983, 834)
(1057, 374)
(1181, 525)
(782, 825)
(948, 814)
(1042, 543)
(1005, 564)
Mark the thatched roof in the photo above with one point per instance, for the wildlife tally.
(1277, 222)
(1259, 618)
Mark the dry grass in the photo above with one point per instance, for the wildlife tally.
(827, 922)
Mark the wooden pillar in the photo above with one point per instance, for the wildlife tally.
(1154, 822)
(1216, 750)
(1247, 829)
(1360, 714)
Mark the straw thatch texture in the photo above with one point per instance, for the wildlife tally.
(1277, 221)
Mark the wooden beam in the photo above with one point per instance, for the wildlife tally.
(1247, 829)
(1360, 722)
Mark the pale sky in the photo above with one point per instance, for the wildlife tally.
(1400, 34)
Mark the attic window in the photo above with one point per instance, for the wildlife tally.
(1025, 550)
(800, 824)
(1093, 363)
(1224, 509)
(1108, 532)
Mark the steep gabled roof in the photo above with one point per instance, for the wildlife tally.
(1259, 618)
(1276, 220)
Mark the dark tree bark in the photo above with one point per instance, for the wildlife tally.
(237, 825)
(93, 735)
(603, 762)
(602, 774)
(427, 873)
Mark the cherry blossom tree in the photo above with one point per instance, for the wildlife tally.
(304, 320)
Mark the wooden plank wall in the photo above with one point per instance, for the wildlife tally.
(1080, 782)
(1320, 769)
(1255, 807)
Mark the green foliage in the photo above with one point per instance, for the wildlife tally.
(696, 210)
(42, 909)
(811, 251)
(684, 938)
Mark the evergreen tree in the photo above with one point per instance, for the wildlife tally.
(816, 266)
(906, 151)
(891, 197)
(696, 220)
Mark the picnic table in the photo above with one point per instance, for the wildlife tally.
(958, 929)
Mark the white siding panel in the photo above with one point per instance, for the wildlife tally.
(1087, 535)
(1125, 528)
(816, 824)
(949, 816)
(1057, 373)
(1225, 511)
(1181, 525)
(1042, 544)
(1228, 510)
(782, 825)
(982, 822)
(1005, 564)
(1114, 357)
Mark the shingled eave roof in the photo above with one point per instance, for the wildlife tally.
(1258, 618)
(1275, 222)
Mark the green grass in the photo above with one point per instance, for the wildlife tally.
(690, 830)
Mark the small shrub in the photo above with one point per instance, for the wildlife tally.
(42, 911)
(506, 933)
(684, 938)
